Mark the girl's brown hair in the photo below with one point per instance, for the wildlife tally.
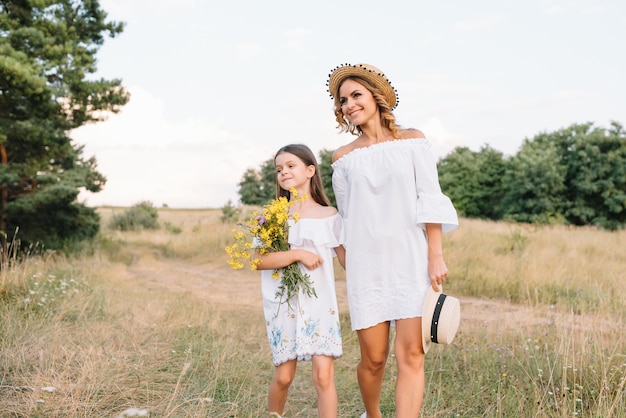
(387, 119)
(305, 154)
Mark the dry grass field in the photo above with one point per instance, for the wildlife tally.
(154, 323)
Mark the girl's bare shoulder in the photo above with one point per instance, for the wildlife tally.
(318, 211)
(328, 211)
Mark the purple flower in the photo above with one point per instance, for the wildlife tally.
(261, 220)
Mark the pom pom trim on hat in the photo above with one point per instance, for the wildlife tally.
(367, 72)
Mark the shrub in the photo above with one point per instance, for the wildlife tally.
(230, 213)
(142, 215)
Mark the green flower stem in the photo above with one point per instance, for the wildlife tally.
(291, 282)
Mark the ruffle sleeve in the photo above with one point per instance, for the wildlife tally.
(323, 232)
(432, 205)
(340, 188)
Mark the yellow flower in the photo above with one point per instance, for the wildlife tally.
(265, 233)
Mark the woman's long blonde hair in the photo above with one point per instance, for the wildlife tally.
(387, 119)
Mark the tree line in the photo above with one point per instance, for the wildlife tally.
(572, 176)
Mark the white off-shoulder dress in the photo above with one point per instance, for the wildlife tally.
(311, 326)
(386, 194)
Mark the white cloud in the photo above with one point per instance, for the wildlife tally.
(554, 10)
(127, 10)
(294, 39)
(596, 9)
(442, 139)
(481, 23)
(248, 51)
(198, 119)
(145, 156)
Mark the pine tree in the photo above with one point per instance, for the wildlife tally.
(47, 55)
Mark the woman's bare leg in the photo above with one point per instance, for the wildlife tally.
(374, 343)
(410, 357)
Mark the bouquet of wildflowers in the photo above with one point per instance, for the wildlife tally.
(265, 233)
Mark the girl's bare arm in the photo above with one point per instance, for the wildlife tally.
(280, 259)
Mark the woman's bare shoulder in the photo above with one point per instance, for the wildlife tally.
(411, 133)
(343, 150)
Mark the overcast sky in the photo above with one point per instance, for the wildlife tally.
(218, 86)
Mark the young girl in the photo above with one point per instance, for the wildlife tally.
(308, 328)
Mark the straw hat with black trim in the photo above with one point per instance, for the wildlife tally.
(367, 72)
(440, 318)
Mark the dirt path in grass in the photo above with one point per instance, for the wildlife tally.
(227, 289)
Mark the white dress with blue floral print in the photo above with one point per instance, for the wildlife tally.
(309, 325)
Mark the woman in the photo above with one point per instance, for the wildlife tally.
(394, 213)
